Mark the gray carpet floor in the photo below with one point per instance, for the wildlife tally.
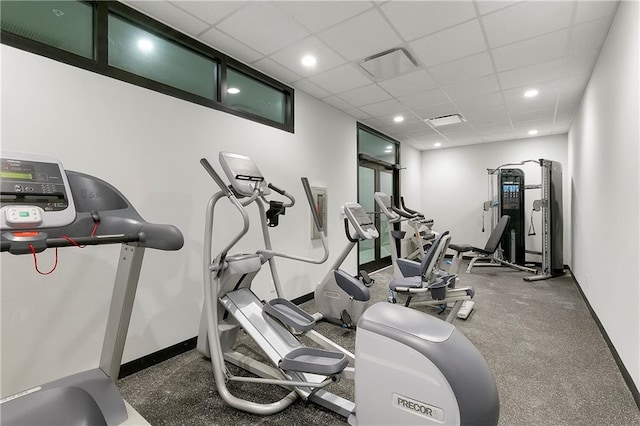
(550, 362)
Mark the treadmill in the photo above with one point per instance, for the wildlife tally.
(42, 206)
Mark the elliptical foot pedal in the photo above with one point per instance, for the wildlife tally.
(346, 320)
(366, 279)
(314, 361)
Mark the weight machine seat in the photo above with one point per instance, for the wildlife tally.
(492, 243)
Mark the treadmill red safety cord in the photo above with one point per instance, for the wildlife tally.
(71, 240)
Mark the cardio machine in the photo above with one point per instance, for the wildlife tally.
(411, 367)
(426, 283)
(45, 206)
(339, 298)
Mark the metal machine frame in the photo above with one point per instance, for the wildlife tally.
(550, 204)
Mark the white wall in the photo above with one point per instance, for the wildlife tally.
(605, 187)
(455, 186)
(149, 145)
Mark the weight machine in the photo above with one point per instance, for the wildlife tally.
(506, 197)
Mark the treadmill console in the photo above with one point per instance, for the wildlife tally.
(35, 192)
(361, 221)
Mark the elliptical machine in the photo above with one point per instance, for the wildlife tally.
(338, 298)
(411, 367)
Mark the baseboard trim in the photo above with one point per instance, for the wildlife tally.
(623, 370)
(147, 361)
(303, 298)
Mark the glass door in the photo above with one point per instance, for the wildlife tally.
(378, 156)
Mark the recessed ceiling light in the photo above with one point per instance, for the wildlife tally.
(437, 144)
(530, 93)
(388, 151)
(309, 60)
(533, 132)
(233, 90)
(398, 119)
(145, 45)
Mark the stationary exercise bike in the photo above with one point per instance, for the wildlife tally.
(426, 282)
(411, 367)
(339, 298)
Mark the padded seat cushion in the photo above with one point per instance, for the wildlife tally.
(461, 248)
(411, 282)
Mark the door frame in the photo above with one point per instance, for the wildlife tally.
(379, 166)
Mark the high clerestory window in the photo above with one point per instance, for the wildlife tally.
(112, 39)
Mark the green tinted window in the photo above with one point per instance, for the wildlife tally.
(62, 24)
(250, 95)
(140, 52)
(376, 146)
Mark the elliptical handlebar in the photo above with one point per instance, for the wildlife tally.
(216, 177)
(292, 200)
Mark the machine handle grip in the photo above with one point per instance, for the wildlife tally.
(346, 231)
(314, 211)
(275, 188)
(216, 177)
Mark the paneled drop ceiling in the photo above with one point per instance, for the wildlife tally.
(474, 58)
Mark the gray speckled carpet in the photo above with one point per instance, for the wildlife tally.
(550, 362)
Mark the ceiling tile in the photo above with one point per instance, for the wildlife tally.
(547, 97)
(337, 102)
(537, 73)
(415, 19)
(358, 113)
(316, 16)
(312, 89)
(472, 88)
(526, 20)
(250, 24)
(481, 102)
(589, 10)
(462, 69)
(580, 63)
(365, 95)
(222, 42)
(572, 88)
(452, 43)
(542, 126)
(530, 52)
(590, 35)
(424, 99)
(379, 109)
(408, 83)
(346, 38)
(340, 79)
(171, 15)
(291, 56)
(209, 11)
(566, 113)
(488, 117)
(488, 6)
(518, 118)
(275, 70)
